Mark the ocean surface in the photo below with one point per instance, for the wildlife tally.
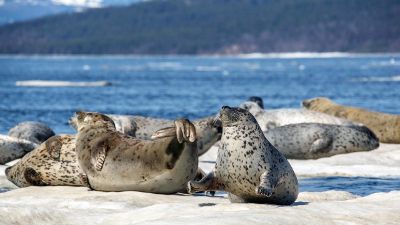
(194, 87)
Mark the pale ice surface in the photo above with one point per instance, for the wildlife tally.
(78, 205)
(49, 83)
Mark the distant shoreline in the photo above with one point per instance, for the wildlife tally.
(255, 55)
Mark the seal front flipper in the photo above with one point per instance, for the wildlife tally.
(321, 144)
(53, 146)
(33, 177)
(99, 155)
(185, 131)
(165, 132)
(266, 186)
(208, 183)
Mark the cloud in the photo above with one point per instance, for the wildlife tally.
(2, 2)
(79, 3)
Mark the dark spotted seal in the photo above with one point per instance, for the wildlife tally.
(314, 140)
(385, 126)
(248, 166)
(35, 132)
(52, 163)
(113, 161)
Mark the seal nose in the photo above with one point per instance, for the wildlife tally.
(306, 103)
(226, 107)
(7, 171)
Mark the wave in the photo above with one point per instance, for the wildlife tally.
(48, 83)
(379, 79)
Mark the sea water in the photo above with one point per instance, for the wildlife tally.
(197, 86)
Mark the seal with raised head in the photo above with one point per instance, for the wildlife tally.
(52, 163)
(35, 132)
(248, 167)
(258, 100)
(269, 119)
(114, 161)
(385, 126)
(144, 127)
(314, 140)
(12, 148)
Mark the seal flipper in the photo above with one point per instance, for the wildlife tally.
(321, 144)
(53, 146)
(165, 132)
(99, 156)
(33, 177)
(266, 186)
(208, 183)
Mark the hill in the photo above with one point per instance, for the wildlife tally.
(213, 26)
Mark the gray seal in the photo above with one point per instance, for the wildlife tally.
(52, 163)
(12, 148)
(35, 132)
(248, 166)
(144, 127)
(313, 140)
(113, 161)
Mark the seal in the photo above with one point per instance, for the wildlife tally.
(385, 126)
(248, 167)
(53, 163)
(35, 132)
(12, 148)
(144, 127)
(313, 140)
(113, 161)
(258, 100)
(269, 119)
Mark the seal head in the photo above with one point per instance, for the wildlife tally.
(257, 100)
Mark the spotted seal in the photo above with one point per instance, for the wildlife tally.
(385, 126)
(313, 140)
(35, 132)
(269, 119)
(12, 148)
(144, 127)
(248, 166)
(113, 161)
(53, 163)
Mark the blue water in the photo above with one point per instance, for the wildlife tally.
(193, 87)
(357, 185)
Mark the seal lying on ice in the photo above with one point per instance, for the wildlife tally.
(248, 166)
(143, 128)
(313, 140)
(385, 126)
(35, 132)
(113, 161)
(269, 119)
(12, 148)
(52, 163)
